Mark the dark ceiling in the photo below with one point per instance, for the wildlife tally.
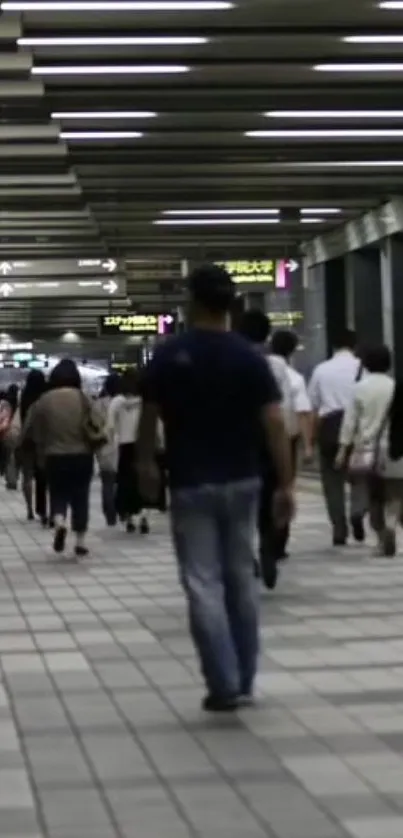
(64, 193)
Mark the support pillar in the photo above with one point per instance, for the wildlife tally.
(364, 295)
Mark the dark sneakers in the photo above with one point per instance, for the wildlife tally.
(59, 541)
(144, 527)
(357, 527)
(81, 552)
(221, 704)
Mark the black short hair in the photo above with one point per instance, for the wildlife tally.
(65, 374)
(284, 343)
(255, 326)
(345, 339)
(212, 288)
(112, 385)
(130, 382)
(377, 358)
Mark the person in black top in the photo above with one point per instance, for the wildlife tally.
(33, 471)
(214, 394)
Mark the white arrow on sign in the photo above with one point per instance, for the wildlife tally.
(111, 286)
(292, 266)
(6, 268)
(109, 265)
(6, 289)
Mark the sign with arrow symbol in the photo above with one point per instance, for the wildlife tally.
(111, 286)
(6, 289)
(6, 268)
(292, 266)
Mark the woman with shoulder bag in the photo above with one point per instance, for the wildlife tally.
(371, 445)
(67, 429)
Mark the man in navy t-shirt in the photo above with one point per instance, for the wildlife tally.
(214, 395)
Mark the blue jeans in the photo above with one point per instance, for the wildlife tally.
(213, 528)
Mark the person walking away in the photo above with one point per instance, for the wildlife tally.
(11, 428)
(214, 392)
(108, 455)
(331, 390)
(255, 326)
(124, 412)
(284, 344)
(59, 426)
(33, 470)
(371, 444)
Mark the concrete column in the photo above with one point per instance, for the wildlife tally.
(314, 315)
(392, 298)
(335, 299)
(387, 292)
(364, 295)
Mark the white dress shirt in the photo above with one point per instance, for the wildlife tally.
(300, 399)
(332, 383)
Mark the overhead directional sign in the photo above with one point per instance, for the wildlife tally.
(59, 267)
(137, 324)
(101, 287)
(261, 271)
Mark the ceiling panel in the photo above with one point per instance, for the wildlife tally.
(76, 177)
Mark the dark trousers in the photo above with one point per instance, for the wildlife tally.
(108, 481)
(69, 477)
(41, 491)
(273, 539)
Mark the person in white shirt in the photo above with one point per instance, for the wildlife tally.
(122, 424)
(284, 343)
(331, 391)
(371, 439)
(255, 326)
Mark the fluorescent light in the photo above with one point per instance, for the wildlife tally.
(330, 133)
(103, 115)
(335, 114)
(320, 211)
(105, 69)
(218, 212)
(116, 6)
(374, 67)
(100, 135)
(345, 164)
(196, 222)
(391, 5)
(373, 39)
(312, 220)
(119, 41)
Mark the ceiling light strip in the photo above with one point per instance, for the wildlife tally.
(111, 42)
(218, 212)
(106, 70)
(330, 133)
(352, 114)
(373, 39)
(373, 67)
(100, 135)
(103, 115)
(199, 222)
(341, 164)
(116, 6)
(307, 211)
(391, 5)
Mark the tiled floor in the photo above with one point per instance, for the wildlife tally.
(101, 735)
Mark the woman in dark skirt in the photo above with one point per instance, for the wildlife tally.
(123, 422)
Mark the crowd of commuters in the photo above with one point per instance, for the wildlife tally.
(225, 417)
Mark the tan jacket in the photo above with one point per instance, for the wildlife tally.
(55, 423)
